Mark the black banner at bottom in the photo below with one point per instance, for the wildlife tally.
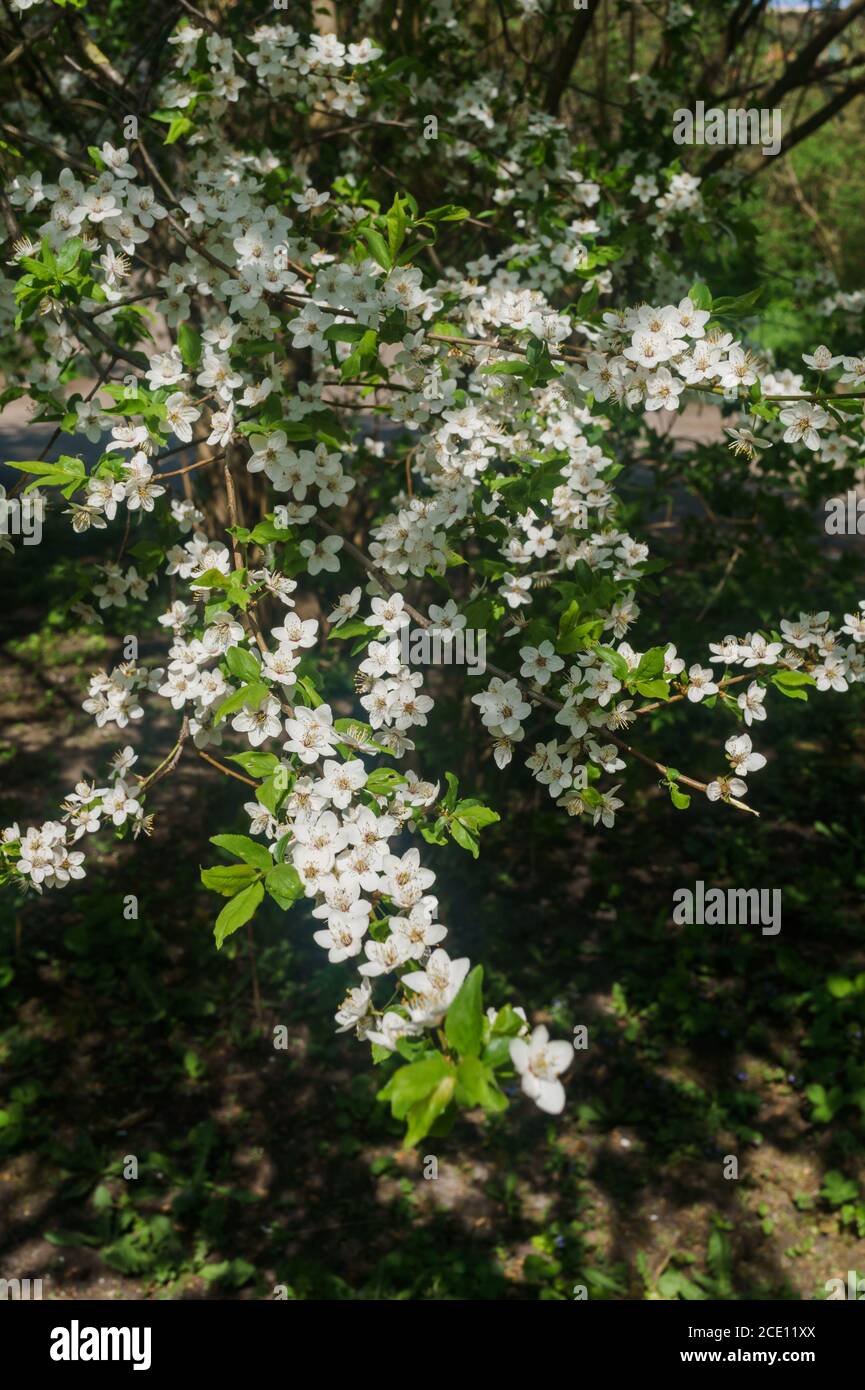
(81, 1339)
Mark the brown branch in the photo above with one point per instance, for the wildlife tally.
(15, 53)
(799, 133)
(170, 762)
(680, 777)
(248, 619)
(190, 467)
(229, 772)
(499, 347)
(26, 139)
(800, 72)
(135, 359)
(567, 58)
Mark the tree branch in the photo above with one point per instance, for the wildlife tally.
(568, 57)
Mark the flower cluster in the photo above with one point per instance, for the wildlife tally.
(407, 412)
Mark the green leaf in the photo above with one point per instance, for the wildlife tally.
(847, 407)
(423, 1116)
(256, 764)
(839, 986)
(211, 579)
(180, 125)
(674, 1284)
(837, 1189)
(508, 1022)
(71, 1238)
(653, 690)
(790, 683)
(615, 661)
(31, 466)
(793, 678)
(396, 223)
(228, 879)
(284, 885)
(464, 1024)
(234, 1273)
(189, 343)
(435, 835)
(236, 593)
(242, 663)
(580, 637)
(269, 793)
(242, 847)
(192, 1064)
(412, 250)
(826, 1103)
(378, 247)
(476, 1085)
(568, 619)
(539, 1269)
(497, 1052)
(382, 780)
(67, 474)
(651, 664)
(305, 684)
(700, 296)
(464, 837)
(475, 816)
(69, 254)
(508, 367)
(344, 332)
(251, 695)
(364, 351)
(448, 212)
(736, 305)
(414, 1082)
(353, 628)
(792, 693)
(237, 911)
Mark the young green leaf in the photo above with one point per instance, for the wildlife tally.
(228, 879)
(464, 1024)
(242, 847)
(237, 911)
(284, 885)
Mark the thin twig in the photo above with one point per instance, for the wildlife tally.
(229, 772)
